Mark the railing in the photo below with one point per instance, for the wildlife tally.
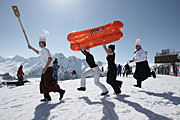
(168, 53)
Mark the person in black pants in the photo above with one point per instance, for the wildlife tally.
(112, 69)
(126, 70)
(143, 70)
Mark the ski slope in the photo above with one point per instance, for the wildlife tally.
(158, 99)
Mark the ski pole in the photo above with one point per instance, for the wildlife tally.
(17, 14)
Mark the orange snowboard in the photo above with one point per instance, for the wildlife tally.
(96, 36)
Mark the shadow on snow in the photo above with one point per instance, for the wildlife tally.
(42, 111)
(150, 114)
(108, 108)
(110, 114)
(169, 96)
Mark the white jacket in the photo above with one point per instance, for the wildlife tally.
(140, 56)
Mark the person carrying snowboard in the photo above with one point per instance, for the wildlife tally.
(112, 69)
(95, 71)
(48, 83)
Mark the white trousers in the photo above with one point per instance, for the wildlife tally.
(96, 73)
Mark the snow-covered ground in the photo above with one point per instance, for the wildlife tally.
(159, 99)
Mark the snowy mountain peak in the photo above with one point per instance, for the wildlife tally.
(2, 59)
(18, 58)
(32, 66)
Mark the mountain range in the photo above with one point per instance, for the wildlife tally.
(32, 66)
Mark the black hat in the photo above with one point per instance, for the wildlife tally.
(21, 66)
(112, 47)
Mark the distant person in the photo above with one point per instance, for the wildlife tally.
(126, 70)
(62, 73)
(48, 83)
(102, 69)
(175, 70)
(55, 68)
(112, 69)
(119, 70)
(0, 83)
(20, 74)
(74, 74)
(95, 71)
(102, 72)
(142, 71)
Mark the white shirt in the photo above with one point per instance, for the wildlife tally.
(140, 56)
(44, 53)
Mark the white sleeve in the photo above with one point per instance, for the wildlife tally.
(48, 53)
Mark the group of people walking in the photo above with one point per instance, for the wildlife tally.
(126, 70)
(49, 83)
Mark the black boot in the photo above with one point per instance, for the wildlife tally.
(81, 89)
(61, 92)
(119, 86)
(43, 100)
(117, 93)
(105, 93)
(47, 97)
(138, 84)
(153, 74)
(120, 83)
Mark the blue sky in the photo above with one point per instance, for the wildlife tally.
(155, 22)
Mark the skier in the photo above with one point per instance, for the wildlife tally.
(95, 71)
(112, 69)
(47, 83)
(142, 71)
(119, 70)
(20, 74)
(55, 68)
